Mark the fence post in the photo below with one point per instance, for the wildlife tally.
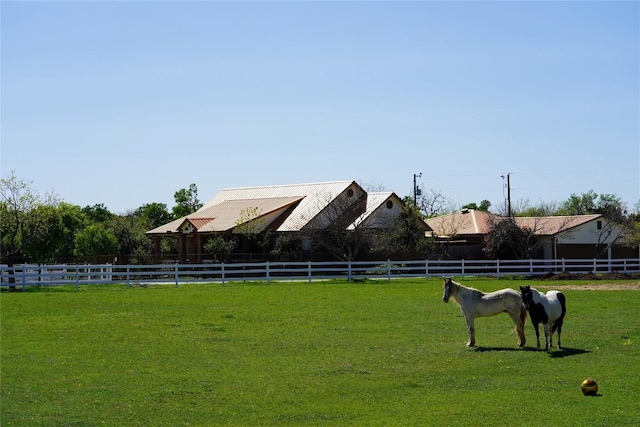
(24, 277)
(222, 272)
(128, 275)
(389, 270)
(595, 266)
(498, 268)
(349, 269)
(462, 267)
(175, 274)
(426, 268)
(563, 266)
(531, 266)
(77, 276)
(309, 270)
(266, 268)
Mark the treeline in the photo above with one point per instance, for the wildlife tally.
(41, 229)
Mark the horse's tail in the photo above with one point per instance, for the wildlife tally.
(523, 314)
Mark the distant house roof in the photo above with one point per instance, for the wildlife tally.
(550, 225)
(289, 208)
(230, 207)
(466, 222)
(471, 222)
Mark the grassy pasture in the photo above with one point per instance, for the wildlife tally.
(328, 353)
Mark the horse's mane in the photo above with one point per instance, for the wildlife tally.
(473, 290)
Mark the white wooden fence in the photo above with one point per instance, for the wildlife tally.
(175, 274)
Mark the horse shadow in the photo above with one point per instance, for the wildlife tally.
(481, 349)
(567, 351)
(555, 353)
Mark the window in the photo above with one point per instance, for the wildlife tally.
(389, 204)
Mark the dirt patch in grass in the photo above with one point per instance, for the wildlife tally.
(602, 282)
(599, 287)
(614, 275)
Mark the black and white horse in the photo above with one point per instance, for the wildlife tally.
(548, 309)
(474, 303)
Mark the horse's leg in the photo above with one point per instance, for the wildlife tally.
(535, 326)
(557, 325)
(472, 331)
(519, 327)
(547, 336)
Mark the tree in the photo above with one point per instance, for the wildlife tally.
(156, 213)
(340, 229)
(46, 235)
(95, 240)
(484, 206)
(617, 225)
(219, 247)
(405, 237)
(632, 237)
(434, 203)
(506, 240)
(542, 209)
(186, 201)
(17, 204)
(73, 219)
(134, 246)
(97, 213)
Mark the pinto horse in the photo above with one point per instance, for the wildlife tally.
(474, 303)
(548, 309)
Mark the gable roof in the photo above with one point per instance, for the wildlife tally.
(470, 222)
(224, 211)
(462, 223)
(550, 225)
(227, 214)
(377, 212)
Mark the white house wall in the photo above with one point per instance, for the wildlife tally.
(589, 234)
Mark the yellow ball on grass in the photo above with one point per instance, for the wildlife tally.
(589, 387)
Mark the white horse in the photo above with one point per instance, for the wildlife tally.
(548, 309)
(474, 303)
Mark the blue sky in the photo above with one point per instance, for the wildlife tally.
(123, 103)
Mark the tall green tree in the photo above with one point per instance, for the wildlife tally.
(156, 213)
(95, 240)
(134, 246)
(18, 203)
(187, 201)
(73, 219)
(46, 235)
(97, 213)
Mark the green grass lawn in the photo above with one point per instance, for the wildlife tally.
(374, 353)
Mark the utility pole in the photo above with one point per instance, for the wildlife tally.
(509, 194)
(416, 191)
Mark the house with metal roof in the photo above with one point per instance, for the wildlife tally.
(295, 210)
(575, 236)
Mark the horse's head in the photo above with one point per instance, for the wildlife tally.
(448, 284)
(527, 296)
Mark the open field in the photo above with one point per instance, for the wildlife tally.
(327, 353)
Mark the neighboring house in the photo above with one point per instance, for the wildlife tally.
(294, 210)
(461, 235)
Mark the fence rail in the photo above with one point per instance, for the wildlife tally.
(52, 275)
